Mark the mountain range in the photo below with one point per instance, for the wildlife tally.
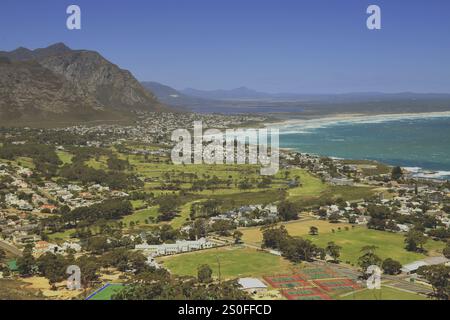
(60, 84)
(246, 94)
(245, 100)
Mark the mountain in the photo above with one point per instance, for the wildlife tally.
(242, 93)
(246, 94)
(175, 98)
(71, 85)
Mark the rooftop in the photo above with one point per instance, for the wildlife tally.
(251, 283)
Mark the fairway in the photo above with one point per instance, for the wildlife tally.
(141, 215)
(310, 185)
(65, 157)
(234, 262)
(385, 293)
(390, 245)
(298, 228)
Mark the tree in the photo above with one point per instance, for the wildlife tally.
(223, 227)
(334, 217)
(26, 263)
(415, 240)
(52, 266)
(298, 249)
(369, 258)
(314, 231)
(446, 251)
(439, 277)
(237, 236)
(391, 266)
(287, 211)
(199, 229)
(397, 173)
(333, 250)
(274, 237)
(98, 244)
(167, 207)
(89, 267)
(204, 273)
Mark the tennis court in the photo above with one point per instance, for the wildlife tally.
(336, 284)
(305, 294)
(286, 281)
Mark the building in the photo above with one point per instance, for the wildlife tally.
(252, 285)
(431, 261)
(180, 246)
(341, 181)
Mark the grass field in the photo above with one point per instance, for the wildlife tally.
(298, 228)
(61, 235)
(314, 192)
(141, 215)
(385, 293)
(185, 210)
(101, 163)
(234, 262)
(311, 186)
(138, 204)
(107, 292)
(65, 157)
(25, 162)
(390, 245)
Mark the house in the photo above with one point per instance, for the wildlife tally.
(403, 227)
(341, 181)
(42, 246)
(252, 285)
(362, 219)
(22, 238)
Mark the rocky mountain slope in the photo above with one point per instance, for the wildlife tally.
(71, 85)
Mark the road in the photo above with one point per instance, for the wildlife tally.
(10, 248)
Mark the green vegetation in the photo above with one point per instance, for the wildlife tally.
(234, 262)
(142, 217)
(108, 292)
(385, 293)
(296, 228)
(65, 157)
(390, 245)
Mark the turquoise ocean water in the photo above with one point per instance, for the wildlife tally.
(421, 142)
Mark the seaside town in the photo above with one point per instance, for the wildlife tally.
(225, 158)
(108, 199)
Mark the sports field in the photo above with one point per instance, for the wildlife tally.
(106, 292)
(234, 262)
(390, 245)
(385, 293)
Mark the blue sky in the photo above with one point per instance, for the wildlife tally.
(304, 46)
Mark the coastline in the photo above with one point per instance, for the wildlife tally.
(293, 126)
(327, 120)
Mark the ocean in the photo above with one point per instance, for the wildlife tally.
(419, 142)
